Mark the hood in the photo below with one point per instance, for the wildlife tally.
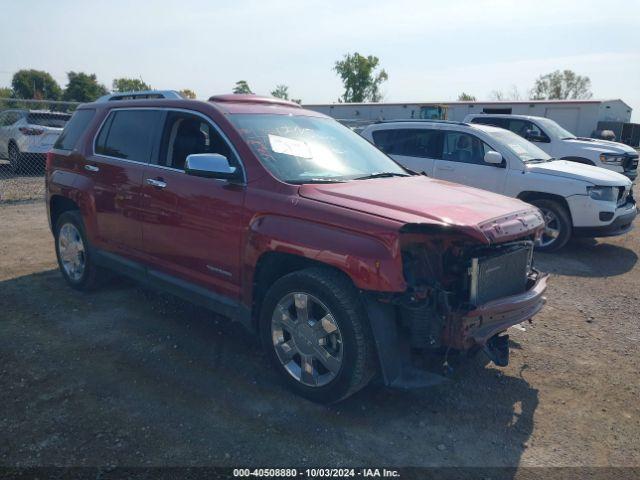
(579, 171)
(602, 145)
(419, 200)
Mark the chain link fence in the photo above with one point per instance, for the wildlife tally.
(28, 130)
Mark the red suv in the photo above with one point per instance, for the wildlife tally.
(283, 219)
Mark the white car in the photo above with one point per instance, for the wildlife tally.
(576, 199)
(562, 144)
(27, 135)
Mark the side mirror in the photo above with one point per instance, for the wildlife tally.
(493, 158)
(209, 165)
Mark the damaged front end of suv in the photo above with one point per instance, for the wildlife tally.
(465, 287)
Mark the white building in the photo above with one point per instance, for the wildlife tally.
(580, 117)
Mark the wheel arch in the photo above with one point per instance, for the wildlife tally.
(58, 205)
(532, 196)
(273, 265)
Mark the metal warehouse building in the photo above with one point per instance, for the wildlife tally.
(581, 117)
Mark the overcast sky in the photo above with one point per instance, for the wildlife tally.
(432, 50)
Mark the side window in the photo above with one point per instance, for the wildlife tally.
(414, 142)
(9, 118)
(74, 129)
(128, 134)
(525, 128)
(383, 139)
(496, 122)
(464, 148)
(184, 134)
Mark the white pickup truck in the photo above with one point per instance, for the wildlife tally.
(575, 199)
(562, 144)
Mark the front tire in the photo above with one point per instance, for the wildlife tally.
(314, 328)
(557, 229)
(74, 253)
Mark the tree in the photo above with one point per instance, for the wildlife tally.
(35, 84)
(281, 91)
(187, 93)
(6, 92)
(500, 95)
(129, 85)
(242, 87)
(465, 97)
(561, 86)
(359, 77)
(82, 87)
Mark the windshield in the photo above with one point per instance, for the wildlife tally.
(300, 149)
(523, 149)
(554, 130)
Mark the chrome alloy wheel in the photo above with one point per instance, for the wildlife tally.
(551, 228)
(72, 252)
(307, 339)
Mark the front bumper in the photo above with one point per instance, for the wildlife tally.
(621, 224)
(474, 328)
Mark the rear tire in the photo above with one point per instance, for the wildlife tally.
(73, 251)
(327, 353)
(15, 159)
(557, 225)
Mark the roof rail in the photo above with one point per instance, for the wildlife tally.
(421, 120)
(141, 95)
(251, 98)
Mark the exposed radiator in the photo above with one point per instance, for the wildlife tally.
(500, 275)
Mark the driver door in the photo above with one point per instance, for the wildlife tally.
(463, 162)
(192, 226)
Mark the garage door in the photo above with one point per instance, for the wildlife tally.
(566, 117)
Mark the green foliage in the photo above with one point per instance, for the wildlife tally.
(187, 93)
(82, 87)
(35, 84)
(561, 86)
(6, 92)
(359, 77)
(281, 91)
(242, 87)
(465, 97)
(129, 85)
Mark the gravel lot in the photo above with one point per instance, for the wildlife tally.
(124, 376)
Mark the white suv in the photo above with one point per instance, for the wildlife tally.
(562, 144)
(27, 135)
(574, 198)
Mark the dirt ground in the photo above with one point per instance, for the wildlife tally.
(124, 376)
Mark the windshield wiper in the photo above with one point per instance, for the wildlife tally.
(314, 180)
(569, 138)
(382, 175)
(538, 160)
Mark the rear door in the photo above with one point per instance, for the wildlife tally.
(123, 147)
(463, 162)
(414, 148)
(192, 226)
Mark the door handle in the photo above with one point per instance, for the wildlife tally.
(448, 169)
(91, 168)
(158, 183)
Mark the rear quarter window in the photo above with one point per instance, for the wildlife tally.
(128, 134)
(74, 129)
(496, 122)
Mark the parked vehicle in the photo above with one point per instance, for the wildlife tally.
(576, 199)
(27, 135)
(562, 144)
(287, 221)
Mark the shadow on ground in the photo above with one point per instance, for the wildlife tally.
(588, 258)
(125, 376)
